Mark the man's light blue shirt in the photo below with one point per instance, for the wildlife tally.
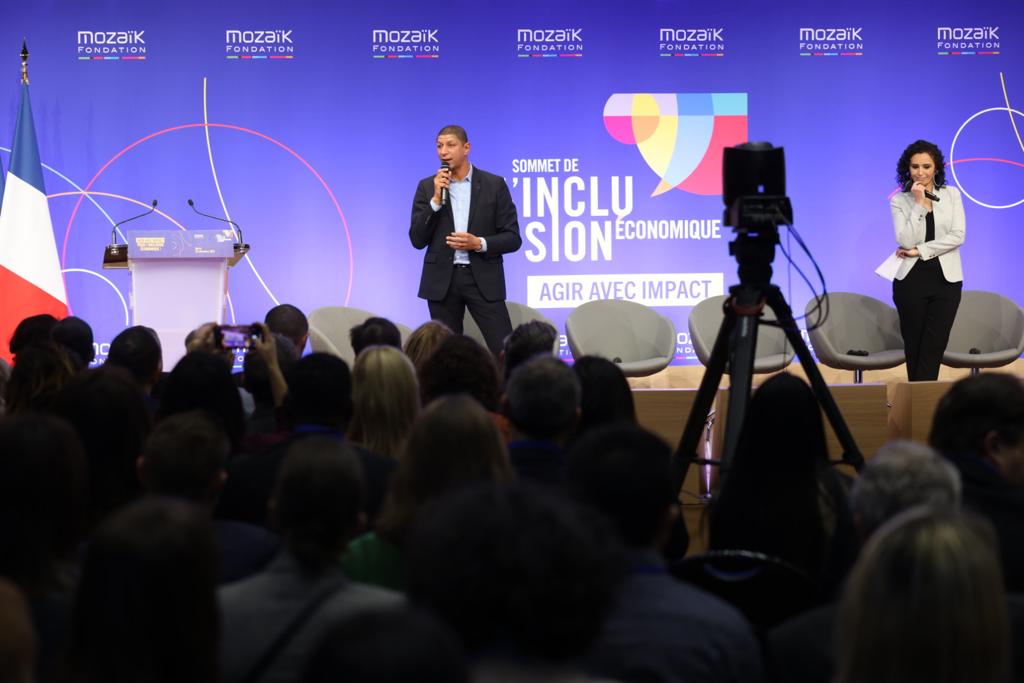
(459, 193)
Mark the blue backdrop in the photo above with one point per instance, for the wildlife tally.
(310, 123)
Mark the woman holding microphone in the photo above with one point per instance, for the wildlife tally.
(928, 219)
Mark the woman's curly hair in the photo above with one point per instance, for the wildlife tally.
(921, 146)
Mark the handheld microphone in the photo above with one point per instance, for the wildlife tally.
(929, 195)
(113, 231)
(444, 190)
(218, 218)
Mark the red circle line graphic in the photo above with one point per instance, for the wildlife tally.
(334, 200)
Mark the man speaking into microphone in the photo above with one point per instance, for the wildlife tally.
(466, 219)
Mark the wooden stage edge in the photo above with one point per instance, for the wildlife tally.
(885, 407)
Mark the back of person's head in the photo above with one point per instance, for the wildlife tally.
(17, 637)
(256, 376)
(461, 366)
(530, 339)
(625, 472)
(453, 443)
(925, 603)
(288, 320)
(320, 391)
(424, 340)
(108, 410)
(75, 335)
(137, 349)
(374, 332)
(202, 381)
(605, 396)
(516, 569)
(981, 416)
(43, 482)
(902, 475)
(385, 399)
(146, 606)
(184, 457)
(388, 646)
(34, 329)
(40, 372)
(318, 500)
(542, 399)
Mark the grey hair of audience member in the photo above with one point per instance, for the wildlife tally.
(543, 398)
(902, 475)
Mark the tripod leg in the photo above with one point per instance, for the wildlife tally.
(686, 451)
(741, 373)
(851, 454)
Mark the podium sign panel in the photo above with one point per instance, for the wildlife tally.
(179, 281)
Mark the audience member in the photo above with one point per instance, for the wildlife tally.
(202, 381)
(660, 629)
(319, 401)
(35, 329)
(75, 335)
(137, 349)
(108, 411)
(5, 375)
(41, 371)
(454, 443)
(461, 366)
(542, 404)
(389, 646)
(530, 339)
(385, 399)
(605, 396)
(17, 640)
(525, 577)
(257, 379)
(374, 332)
(902, 475)
(185, 458)
(424, 340)
(272, 621)
(781, 497)
(979, 426)
(925, 604)
(43, 483)
(288, 321)
(146, 608)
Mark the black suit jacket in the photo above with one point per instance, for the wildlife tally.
(492, 215)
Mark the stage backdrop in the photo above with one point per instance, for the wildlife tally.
(309, 123)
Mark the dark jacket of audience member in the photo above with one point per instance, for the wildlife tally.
(374, 332)
(185, 458)
(43, 484)
(202, 381)
(146, 608)
(525, 577)
(605, 396)
(979, 426)
(659, 629)
(453, 444)
(317, 507)
(75, 335)
(319, 402)
(542, 404)
(781, 497)
(107, 409)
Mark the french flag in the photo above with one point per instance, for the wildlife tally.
(30, 277)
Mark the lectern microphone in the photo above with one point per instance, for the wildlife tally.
(238, 229)
(113, 231)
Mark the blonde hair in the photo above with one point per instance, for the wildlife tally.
(925, 603)
(385, 400)
(424, 340)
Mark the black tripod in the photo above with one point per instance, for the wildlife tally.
(735, 345)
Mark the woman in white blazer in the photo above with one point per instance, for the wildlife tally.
(928, 218)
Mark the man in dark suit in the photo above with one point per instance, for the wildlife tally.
(466, 219)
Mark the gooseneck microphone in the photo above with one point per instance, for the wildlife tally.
(238, 229)
(929, 195)
(444, 190)
(113, 231)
